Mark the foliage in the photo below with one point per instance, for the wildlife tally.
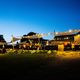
(30, 52)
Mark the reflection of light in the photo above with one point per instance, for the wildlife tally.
(70, 30)
(69, 54)
(78, 35)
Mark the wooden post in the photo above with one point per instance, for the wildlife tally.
(12, 42)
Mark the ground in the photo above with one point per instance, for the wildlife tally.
(60, 64)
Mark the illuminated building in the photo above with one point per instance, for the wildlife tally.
(70, 39)
(32, 41)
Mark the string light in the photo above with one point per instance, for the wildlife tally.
(50, 33)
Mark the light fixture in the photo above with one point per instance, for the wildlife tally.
(56, 32)
(70, 30)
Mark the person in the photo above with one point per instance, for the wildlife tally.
(3, 49)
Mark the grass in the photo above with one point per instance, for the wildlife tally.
(27, 65)
(24, 64)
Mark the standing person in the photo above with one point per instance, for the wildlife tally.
(3, 49)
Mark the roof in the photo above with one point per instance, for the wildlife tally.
(30, 34)
(68, 33)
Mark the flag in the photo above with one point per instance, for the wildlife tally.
(54, 32)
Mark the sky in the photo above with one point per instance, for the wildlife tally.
(19, 17)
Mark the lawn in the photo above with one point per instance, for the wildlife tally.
(25, 65)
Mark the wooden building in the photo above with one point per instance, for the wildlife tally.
(68, 40)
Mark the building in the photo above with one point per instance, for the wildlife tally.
(69, 39)
(32, 41)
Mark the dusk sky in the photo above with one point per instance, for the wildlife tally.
(19, 17)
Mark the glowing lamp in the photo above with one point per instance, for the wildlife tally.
(56, 32)
(70, 30)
